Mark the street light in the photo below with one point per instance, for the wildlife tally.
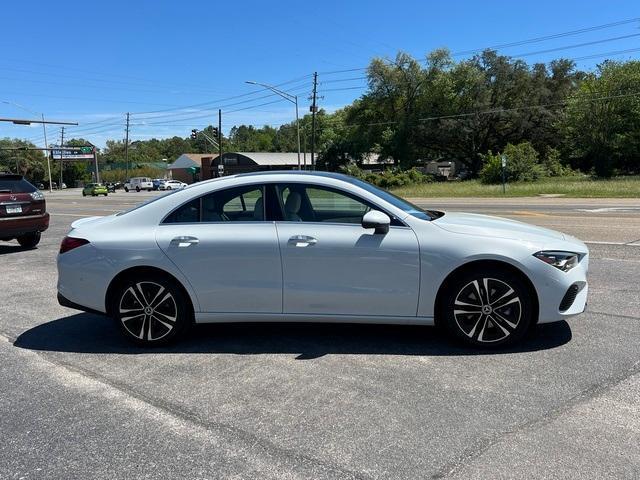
(44, 128)
(287, 96)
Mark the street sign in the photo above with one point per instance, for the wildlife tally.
(84, 153)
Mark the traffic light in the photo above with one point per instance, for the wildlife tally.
(215, 132)
(194, 134)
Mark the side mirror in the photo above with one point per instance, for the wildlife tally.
(376, 219)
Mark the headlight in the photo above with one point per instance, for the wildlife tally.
(564, 261)
(37, 195)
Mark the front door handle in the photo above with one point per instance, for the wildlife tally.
(302, 241)
(183, 242)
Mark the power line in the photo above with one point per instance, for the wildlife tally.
(577, 45)
(548, 37)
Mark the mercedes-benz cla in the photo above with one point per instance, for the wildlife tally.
(317, 247)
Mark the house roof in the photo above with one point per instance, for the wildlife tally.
(187, 160)
(276, 158)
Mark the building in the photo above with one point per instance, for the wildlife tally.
(186, 168)
(243, 162)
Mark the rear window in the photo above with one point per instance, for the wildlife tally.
(15, 185)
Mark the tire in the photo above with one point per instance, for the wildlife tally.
(30, 240)
(168, 188)
(126, 189)
(138, 189)
(487, 308)
(84, 194)
(105, 194)
(151, 310)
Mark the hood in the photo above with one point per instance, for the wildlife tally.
(488, 226)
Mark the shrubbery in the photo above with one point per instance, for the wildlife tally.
(523, 165)
(389, 178)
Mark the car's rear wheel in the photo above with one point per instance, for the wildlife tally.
(30, 240)
(137, 189)
(151, 310)
(488, 308)
(126, 189)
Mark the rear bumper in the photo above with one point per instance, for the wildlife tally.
(11, 227)
(65, 302)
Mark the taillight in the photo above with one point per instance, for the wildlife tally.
(69, 243)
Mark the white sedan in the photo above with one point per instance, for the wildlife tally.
(171, 185)
(316, 247)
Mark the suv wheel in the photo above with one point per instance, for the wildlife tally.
(126, 189)
(137, 189)
(487, 308)
(151, 310)
(30, 240)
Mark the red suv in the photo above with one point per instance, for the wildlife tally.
(23, 211)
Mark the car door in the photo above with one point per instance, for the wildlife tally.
(333, 266)
(223, 245)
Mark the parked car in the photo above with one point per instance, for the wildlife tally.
(23, 211)
(138, 183)
(172, 185)
(95, 189)
(302, 246)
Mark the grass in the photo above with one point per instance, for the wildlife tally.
(576, 187)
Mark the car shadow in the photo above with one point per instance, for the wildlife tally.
(11, 248)
(88, 333)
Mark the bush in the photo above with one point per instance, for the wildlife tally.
(522, 165)
(390, 178)
(552, 165)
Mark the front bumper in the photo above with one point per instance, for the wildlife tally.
(552, 286)
(12, 227)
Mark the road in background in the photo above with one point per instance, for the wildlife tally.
(322, 401)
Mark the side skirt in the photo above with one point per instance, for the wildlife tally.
(205, 317)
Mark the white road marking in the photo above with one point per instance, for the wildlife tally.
(627, 244)
(608, 209)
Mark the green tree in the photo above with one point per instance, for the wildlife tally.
(601, 124)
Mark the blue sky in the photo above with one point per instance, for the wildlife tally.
(92, 62)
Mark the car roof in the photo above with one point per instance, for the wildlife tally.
(11, 176)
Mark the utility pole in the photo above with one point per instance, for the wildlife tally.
(126, 150)
(61, 155)
(314, 108)
(46, 152)
(219, 135)
(95, 163)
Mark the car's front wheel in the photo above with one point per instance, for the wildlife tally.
(30, 240)
(151, 310)
(487, 308)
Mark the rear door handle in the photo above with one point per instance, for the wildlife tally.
(302, 241)
(184, 242)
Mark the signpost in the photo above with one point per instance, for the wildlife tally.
(504, 166)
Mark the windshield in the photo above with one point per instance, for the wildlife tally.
(398, 202)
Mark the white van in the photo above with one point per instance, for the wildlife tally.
(138, 183)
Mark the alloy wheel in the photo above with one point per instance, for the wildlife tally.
(487, 310)
(148, 311)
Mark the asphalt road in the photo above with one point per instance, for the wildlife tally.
(324, 401)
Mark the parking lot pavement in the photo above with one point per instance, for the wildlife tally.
(317, 401)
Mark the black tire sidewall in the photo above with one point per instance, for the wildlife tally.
(184, 315)
(29, 240)
(448, 320)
